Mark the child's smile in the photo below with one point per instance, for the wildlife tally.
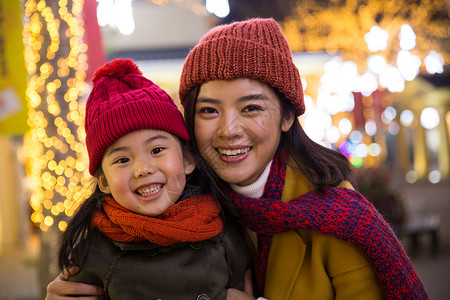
(149, 190)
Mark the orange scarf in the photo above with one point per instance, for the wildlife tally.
(193, 219)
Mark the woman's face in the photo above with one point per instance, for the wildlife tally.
(237, 126)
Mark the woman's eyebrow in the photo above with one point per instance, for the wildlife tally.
(207, 100)
(257, 96)
(254, 97)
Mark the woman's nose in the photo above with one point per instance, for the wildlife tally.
(230, 126)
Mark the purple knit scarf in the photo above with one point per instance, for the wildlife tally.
(339, 212)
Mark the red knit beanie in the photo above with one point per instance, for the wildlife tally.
(122, 101)
(255, 49)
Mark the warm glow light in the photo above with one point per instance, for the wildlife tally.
(371, 127)
(376, 63)
(356, 136)
(434, 62)
(411, 176)
(345, 126)
(316, 123)
(388, 115)
(393, 128)
(407, 37)
(220, 8)
(429, 118)
(406, 117)
(408, 65)
(391, 78)
(117, 14)
(434, 176)
(362, 150)
(366, 84)
(332, 134)
(374, 149)
(376, 39)
(53, 146)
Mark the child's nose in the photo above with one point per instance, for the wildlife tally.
(143, 168)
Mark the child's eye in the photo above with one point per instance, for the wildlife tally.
(122, 160)
(251, 108)
(157, 150)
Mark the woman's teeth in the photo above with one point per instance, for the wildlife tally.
(233, 152)
(149, 190)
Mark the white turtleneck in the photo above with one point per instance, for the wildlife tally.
(255, 189)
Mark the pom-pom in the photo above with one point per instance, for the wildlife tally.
(117, 68)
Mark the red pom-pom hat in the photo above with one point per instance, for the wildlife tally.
(122, 101)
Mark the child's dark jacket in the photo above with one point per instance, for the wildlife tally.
(190, 270)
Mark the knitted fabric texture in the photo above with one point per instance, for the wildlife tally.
(122, 101)
(338, 212)
(255, 49)
(191, 220)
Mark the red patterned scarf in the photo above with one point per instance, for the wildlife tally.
(193, 219)
(338, 212)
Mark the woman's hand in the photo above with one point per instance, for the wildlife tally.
(235, 294)
(247, 294)
(61, 289)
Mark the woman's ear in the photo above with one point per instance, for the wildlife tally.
(287, 120)
(189, 164)
(103, 184)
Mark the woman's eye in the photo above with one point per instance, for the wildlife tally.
(208, 110)
(157, 150)
(250, 108)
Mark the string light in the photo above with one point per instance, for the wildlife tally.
(55, 58)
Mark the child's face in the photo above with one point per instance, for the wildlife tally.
(238, 125)
(145, 171)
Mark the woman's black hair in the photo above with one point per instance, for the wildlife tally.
(322, 167)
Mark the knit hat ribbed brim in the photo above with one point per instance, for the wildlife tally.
(255, 49)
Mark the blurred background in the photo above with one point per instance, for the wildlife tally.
(376, 80)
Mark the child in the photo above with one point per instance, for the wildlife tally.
(144, 234)
(316, 237)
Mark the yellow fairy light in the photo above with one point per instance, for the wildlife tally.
(48, 221)
(62, 225)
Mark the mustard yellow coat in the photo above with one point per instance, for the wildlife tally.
(309, 265)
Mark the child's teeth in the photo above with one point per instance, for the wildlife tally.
(153, 189)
